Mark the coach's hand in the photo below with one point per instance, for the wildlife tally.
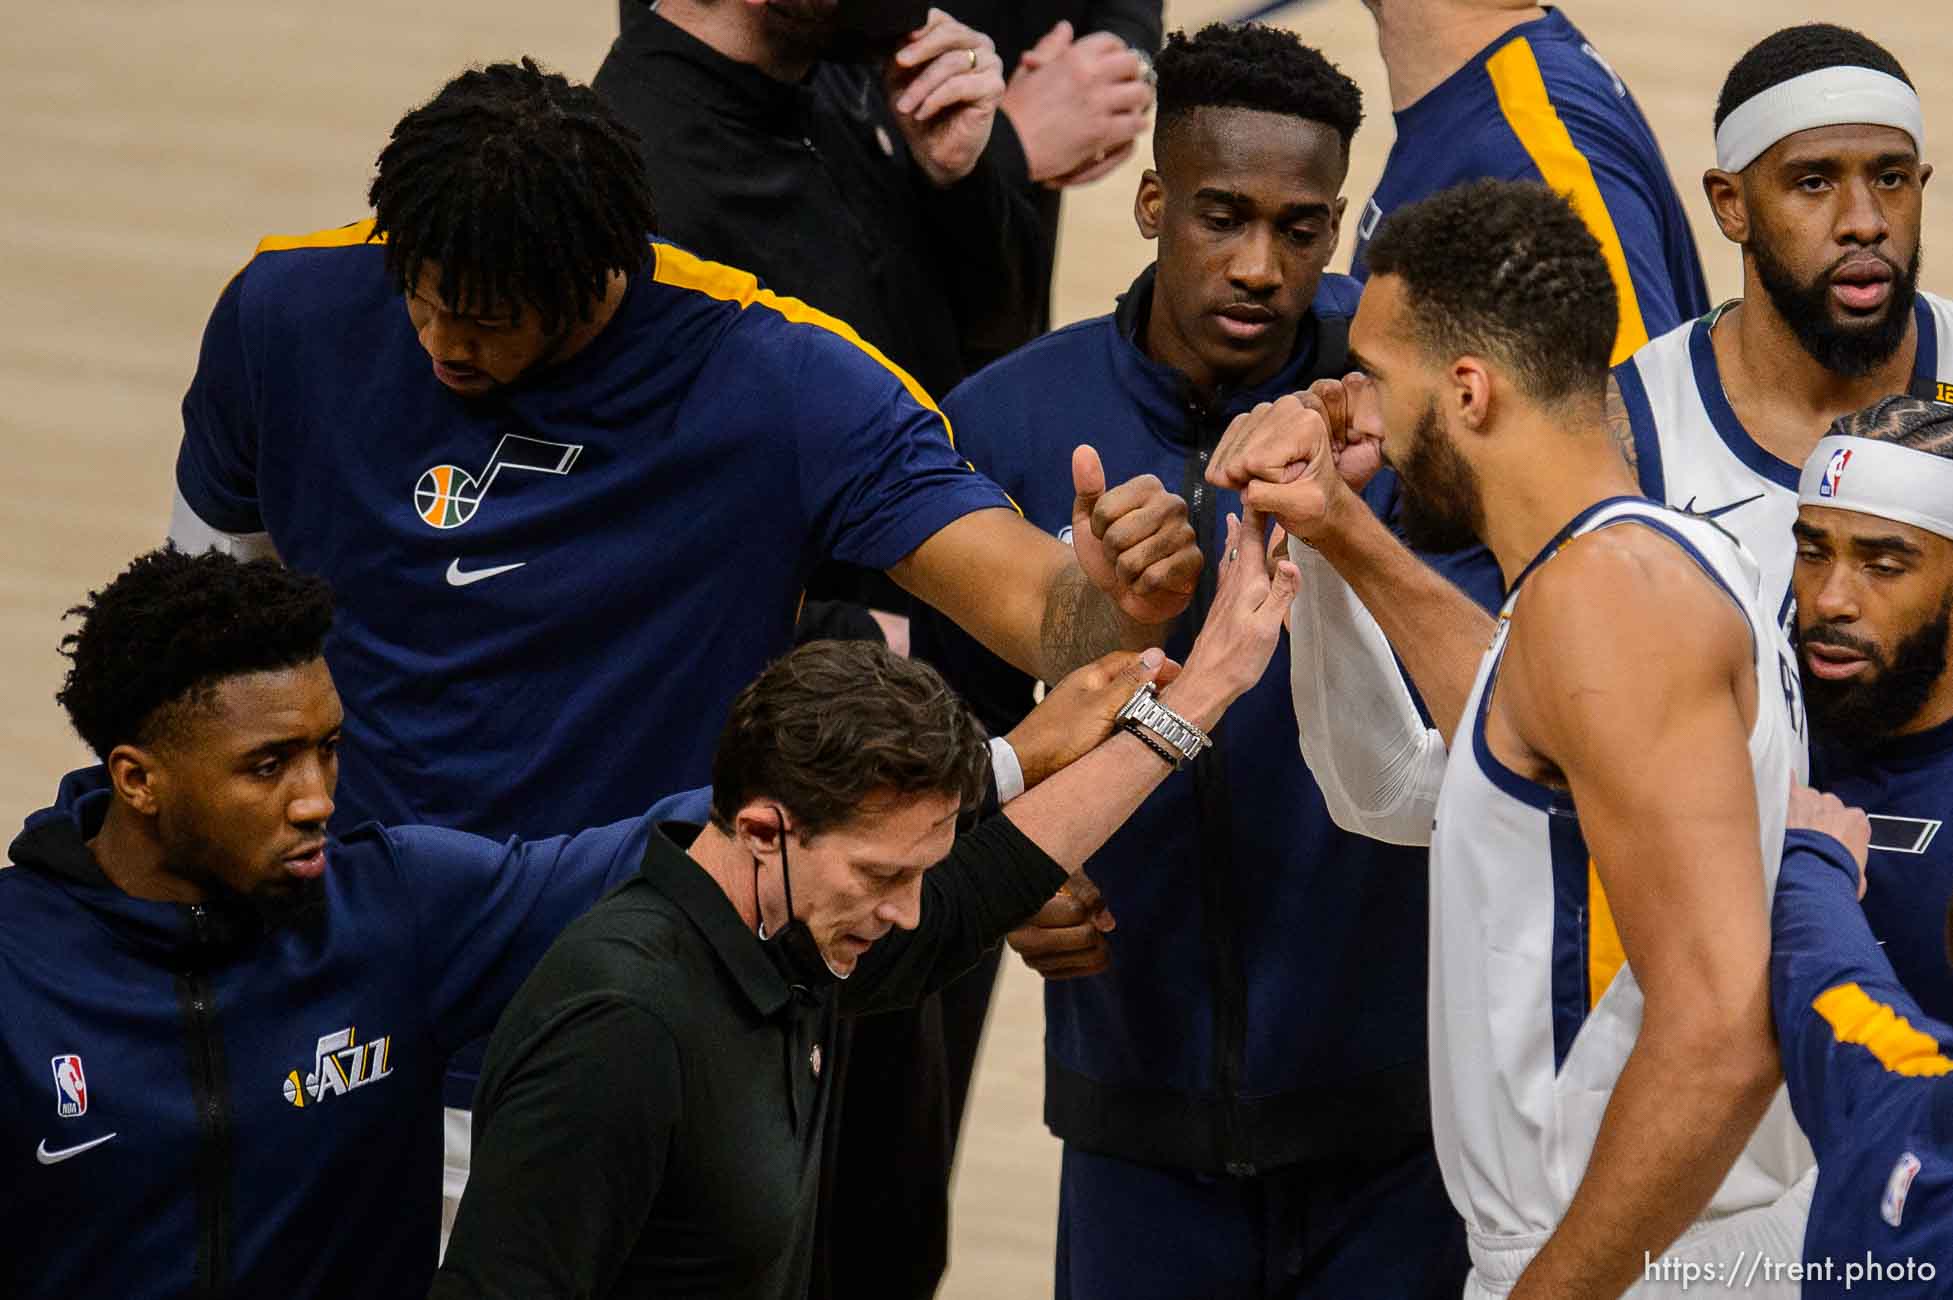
(944, 88)
(1813, 810)
(1076, 714)
(1133, 542)
(1300, 458)
(1066, 938)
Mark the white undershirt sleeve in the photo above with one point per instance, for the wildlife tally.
(1378, 765)
(1007, 770)
(192, 534)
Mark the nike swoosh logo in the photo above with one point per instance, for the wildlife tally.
(47, 1157)
(1690, 509)
(457, 577)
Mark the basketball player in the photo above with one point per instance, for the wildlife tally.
(1253, 1059)
(1864, 999)
(1601, 1045)
(569, 481)
(1874, 588)
(1512, 90)
(1819, 178)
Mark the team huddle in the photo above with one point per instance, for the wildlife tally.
(1505, 701)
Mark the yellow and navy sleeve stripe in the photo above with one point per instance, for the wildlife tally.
(359, 232)
(682, 270)
(1858, 1018)
(1529, 111)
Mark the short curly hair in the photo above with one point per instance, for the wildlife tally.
(1505, 270)
(835, 723)
(172, 626)
(1252, 66)
(1794, 51)
(523, 187)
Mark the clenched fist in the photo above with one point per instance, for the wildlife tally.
(1066, 939)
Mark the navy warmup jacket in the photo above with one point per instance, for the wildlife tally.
(195, 1105)
(1872, 1083)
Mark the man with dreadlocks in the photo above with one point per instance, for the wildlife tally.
(562, 551)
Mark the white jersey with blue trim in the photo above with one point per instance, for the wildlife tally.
(1533, 1008)
(1694, 454)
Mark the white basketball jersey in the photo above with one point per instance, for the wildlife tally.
(1695, 455)
(1533, 1009)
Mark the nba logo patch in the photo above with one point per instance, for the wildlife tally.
(1893, 1205)
(70, 1087)
(1828, 485)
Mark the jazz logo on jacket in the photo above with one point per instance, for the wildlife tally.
(339, 1065)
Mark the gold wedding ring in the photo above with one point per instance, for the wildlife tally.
(971, 51)
(1233, 553)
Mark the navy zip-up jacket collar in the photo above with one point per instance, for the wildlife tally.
(197, 1100)
(55, 841)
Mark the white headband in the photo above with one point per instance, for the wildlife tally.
(1880, 478)
(1827, 97)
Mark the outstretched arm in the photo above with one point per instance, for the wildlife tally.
(1295, 459)
(1855, 1043)
(1378, 766)
(1633, 676)
(1017, 860)
(1048, 609)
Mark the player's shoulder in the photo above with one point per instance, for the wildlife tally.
(774, 335)
(1650, 576)
(1336, 296)
(335, 251)
(1055, 352)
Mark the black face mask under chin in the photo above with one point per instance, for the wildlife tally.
(793, 949)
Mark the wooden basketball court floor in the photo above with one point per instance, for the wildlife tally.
(147, 146)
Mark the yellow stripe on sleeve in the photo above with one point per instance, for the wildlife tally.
(1530, 113)
(682, 270)
(1605, 956)
(1855, 1017)
(360, 232)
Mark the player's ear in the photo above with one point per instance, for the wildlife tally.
(132, 773)
(1729, 204)
(1148, 203)
(1471, 392)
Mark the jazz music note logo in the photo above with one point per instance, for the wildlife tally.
(447, 496)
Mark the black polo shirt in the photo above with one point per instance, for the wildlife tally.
(650, 1112)
(810, 186)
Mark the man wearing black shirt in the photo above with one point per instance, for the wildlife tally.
(1078, 97)
(831, 180)
(878, 191)
(650, 1114)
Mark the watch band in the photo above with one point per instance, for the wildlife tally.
(1145, 709)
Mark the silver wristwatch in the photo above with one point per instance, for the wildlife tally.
(1144, 709)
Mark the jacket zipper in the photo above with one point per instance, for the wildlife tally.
(207, 1090)
(1216, 830)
